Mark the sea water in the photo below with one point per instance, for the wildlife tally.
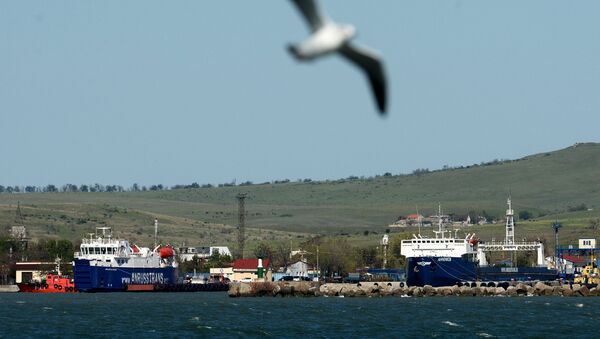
(214, 314)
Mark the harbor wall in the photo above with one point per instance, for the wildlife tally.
(398, 289)
(9, 288)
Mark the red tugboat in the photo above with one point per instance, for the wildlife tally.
(53, 283)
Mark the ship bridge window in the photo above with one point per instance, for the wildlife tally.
(96, 250)
(103, 249)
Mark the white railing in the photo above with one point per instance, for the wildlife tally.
(99, 241)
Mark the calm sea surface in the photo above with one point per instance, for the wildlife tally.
(217, 315)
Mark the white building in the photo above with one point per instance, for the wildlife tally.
(587, 243)
(202, 252)
(226, 272)
(298, 269)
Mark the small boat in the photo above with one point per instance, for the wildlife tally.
(52, 283)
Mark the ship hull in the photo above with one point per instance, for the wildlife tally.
(517, 273)
(90, 278)
(436, 271)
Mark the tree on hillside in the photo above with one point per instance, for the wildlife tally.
(525, 215)
(281, 255)
(217, 260)
(263, 250)
(420, 171)
(189, 266)
(576, 208)
(487, 216)
(70, 188)
(368, 257)
(84, 188)
(50, 188)
(50, 249)
(395, 258)
(336, 256)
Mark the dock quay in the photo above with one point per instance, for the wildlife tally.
(399, 289)
(9, 288)
(209, 287)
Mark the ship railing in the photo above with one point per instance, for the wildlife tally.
(520, 243)
(98, 241)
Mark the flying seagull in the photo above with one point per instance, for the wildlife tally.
(329, 37)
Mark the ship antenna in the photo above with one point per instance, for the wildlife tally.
(155, 232)
(418, 218)
(440, 219)
(57, 261)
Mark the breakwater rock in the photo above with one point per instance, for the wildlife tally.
(383, 289)
(278, 288)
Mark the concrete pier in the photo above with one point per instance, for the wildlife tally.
(9, 288)
(384, 289)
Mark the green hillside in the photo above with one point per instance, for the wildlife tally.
(544, 184)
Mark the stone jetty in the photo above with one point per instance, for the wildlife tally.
(9, 288)
(398, 289)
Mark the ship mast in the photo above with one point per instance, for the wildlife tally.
(510, 224)
(441, 229)
(155, 233)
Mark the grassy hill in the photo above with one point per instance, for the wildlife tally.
(545, 184)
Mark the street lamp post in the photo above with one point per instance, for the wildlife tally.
(556, 225)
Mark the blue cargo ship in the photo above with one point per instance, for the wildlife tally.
(445, 260)
(104, 264)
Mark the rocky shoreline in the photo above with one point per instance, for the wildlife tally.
(384, 289)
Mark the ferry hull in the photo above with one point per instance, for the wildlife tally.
(437, 272)
(517, 273)
(114, 279)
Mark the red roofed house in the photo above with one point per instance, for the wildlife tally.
(413, 216)
(247, 270)
(576, 260)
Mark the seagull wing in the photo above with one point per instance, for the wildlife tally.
(372, 65)
(311, 12)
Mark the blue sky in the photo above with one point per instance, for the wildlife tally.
(119, 92)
